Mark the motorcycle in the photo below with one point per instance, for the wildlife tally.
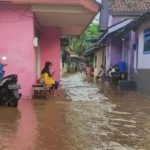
(9, 89)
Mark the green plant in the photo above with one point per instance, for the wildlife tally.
(80, 43)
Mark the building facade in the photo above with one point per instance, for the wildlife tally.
(31, 32)
(142, 53)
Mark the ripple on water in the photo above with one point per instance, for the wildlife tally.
(94, 121)
(78, 90)
(91, 121)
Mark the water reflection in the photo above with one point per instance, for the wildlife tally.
(17, 127)
(8, 125)
(90, 117)
(26, 130)
(98, 122)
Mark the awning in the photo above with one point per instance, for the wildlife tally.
(72, 16)
(113, 29)
(91, 50)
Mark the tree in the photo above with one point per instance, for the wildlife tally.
(80, 43)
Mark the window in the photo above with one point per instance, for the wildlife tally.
(147, 41)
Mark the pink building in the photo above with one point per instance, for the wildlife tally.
(22, 22)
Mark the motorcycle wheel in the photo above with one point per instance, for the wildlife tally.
(12, 100)
(14, 103)
(4, 96)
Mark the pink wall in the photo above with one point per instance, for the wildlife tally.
(16, 42)
(50, 48)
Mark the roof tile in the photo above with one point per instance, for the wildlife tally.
(128, 7)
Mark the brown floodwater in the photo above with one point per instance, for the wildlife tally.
(87, 117)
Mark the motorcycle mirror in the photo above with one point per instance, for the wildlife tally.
(4, 58)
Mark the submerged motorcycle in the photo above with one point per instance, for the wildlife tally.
(9, 89)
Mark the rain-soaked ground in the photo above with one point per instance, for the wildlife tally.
(88, 117)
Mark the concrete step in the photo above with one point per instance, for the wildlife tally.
(127, 85)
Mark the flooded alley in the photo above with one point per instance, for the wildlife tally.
(86, 116)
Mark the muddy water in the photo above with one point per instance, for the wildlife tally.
(88, 117)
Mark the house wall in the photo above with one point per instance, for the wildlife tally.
(143, 59)
(113, 20)
(16, 43)
(50, 48)
(142, 80)
(135, 65)
(116, 51)
(114, 45)
(113, 52)
(99, 58)
(143, 64)
(132, 54)
(122, 50)
(108, 53)
(128, 55)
